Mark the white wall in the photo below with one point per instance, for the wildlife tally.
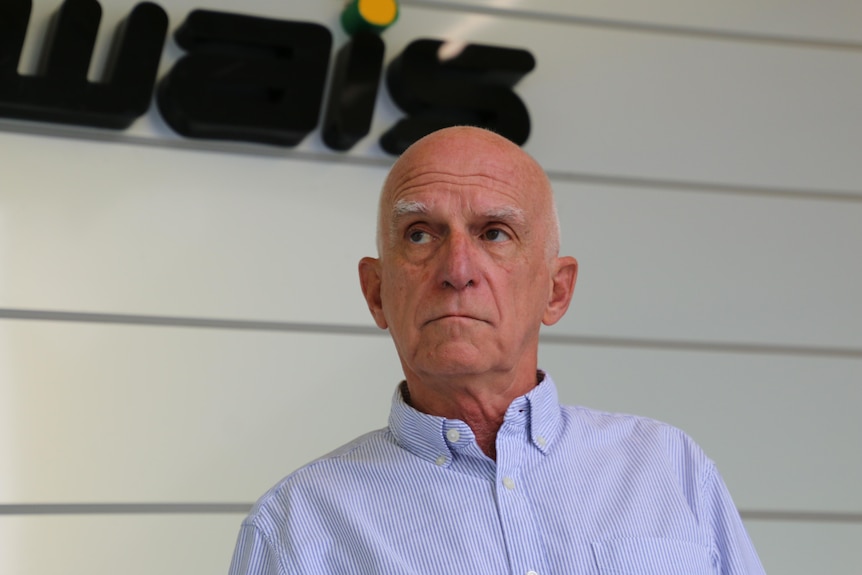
(181, 325)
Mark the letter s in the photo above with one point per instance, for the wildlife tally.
(473, 87)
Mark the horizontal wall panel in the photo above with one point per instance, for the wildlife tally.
(110, 544)
(830, 20)
(95, 413)
(113, 413)
(203, 544)
(128, 230)
(673, 265)
(799, 548)
(121, 229)
(626, 102)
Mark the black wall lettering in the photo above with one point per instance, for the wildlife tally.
(472, 88)
(246, 78)
(60, 91)
(353, 91)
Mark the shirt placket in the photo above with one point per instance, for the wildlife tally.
(521, 532)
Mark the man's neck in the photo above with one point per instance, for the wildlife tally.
(479, 403)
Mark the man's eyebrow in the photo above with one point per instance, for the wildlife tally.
(507, 214)
(503, 213)
(408, 207)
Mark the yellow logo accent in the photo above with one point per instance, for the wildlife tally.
(369, 15)
(378, 12)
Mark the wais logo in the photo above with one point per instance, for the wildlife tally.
(252, 79)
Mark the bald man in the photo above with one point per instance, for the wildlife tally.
(480, 469)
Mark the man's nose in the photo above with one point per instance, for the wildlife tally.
(459, 261)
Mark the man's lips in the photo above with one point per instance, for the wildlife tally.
(454, 317)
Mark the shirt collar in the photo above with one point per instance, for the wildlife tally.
(432, 438)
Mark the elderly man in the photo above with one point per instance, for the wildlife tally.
(480, 470)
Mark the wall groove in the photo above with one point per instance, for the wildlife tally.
(344, 329)
(122, 508)
(645, 27)
(778, 193)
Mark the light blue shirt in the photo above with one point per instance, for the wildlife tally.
(573, 491)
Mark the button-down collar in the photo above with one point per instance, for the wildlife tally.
(440, 440)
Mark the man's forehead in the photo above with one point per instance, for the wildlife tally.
(479, 170)
(473, 187)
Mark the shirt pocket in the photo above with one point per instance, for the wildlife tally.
(652, 556)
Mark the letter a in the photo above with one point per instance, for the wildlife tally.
(246, 78)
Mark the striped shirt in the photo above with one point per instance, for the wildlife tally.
(573, 491)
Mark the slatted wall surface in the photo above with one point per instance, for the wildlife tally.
(181, 325)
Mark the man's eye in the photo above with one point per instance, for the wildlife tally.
(496, 235)
(419, 237)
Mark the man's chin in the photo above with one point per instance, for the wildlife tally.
(455, 358)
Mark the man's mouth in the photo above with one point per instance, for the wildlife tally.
(454, 317)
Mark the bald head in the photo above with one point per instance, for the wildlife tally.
(468, 270)
(468, 154)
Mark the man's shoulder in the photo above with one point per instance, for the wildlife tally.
(590, 417)
(604, 418)
(310, 477)
(625, 430)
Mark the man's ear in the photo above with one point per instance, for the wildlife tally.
(564, 275)
(370, 280)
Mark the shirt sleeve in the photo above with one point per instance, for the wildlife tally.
(254, 554)
(733, 550)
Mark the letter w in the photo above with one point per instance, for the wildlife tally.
(59, 91)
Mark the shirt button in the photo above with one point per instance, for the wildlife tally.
(532, 573)
(542, 442)
(441, 460)
(453, 435)
(508, 483)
